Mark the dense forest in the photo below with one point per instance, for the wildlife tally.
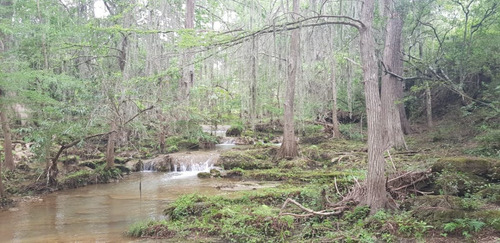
(385, 115)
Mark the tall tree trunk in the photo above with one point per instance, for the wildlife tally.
(187, 79)
(289, 146)
(253, 84)
(393, 62)
(7, 142)
(2, 191)
(335, 120)
(428, 99)
(376, 197)
(110, 151)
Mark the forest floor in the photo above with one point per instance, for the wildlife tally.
(443, 195)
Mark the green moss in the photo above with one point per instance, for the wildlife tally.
(243, 160)
(204, 175)
(476, 166)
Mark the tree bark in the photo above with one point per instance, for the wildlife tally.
(335, 120)
(110, 151)
(428, 99)
(253, 84)
(187, 80)
(289, 146)
(376, 197)
(393, 61)
(7, 142)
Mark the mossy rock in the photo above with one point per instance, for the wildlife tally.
(476, 166)
(241, 159)
(233, 174)
(458, 183)
(94, 163)
(433, 201)
(215, 173)
(204, 175)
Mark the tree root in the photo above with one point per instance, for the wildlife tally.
(398, 187)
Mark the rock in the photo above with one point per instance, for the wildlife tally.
(215, 173)
(123, 169)
(161, 163)
(476, 166)
(204, 175)
(233, 174)
(241, 159)
(134, 165)
(93, 163)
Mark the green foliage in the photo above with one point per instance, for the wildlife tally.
(465, 226)
(351, 131)
(359, 213)
(172, 149)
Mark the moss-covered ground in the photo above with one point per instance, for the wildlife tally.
(461, 200)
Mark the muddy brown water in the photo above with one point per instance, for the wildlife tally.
(100, 213)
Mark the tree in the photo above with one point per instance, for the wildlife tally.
(376, 196)
(289, 146)
(187, 79)
(335, 120)
(391, 86)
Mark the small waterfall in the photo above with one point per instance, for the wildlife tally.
(148, 167)
(193, 166)
(186, 163)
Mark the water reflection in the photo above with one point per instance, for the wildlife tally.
(99, 212)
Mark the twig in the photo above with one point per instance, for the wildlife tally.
(310, 211)
(336, 187)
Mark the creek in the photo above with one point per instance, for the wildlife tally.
(100, 212)
(104, 212)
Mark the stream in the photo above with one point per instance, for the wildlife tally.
(103, 212)
(100, 212)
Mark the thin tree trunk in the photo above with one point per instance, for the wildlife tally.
(289, 146)
(376, 197)
(110, 151)
(393, 62)
(2, 191)
(7, 142)
(335, 120)
(428, 98)
(253, 85)
(187, 80)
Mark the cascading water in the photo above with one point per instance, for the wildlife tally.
(188, 163)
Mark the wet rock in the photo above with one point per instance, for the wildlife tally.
(134, 165)
(204, 175)
(215, 173)
(161, 163)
